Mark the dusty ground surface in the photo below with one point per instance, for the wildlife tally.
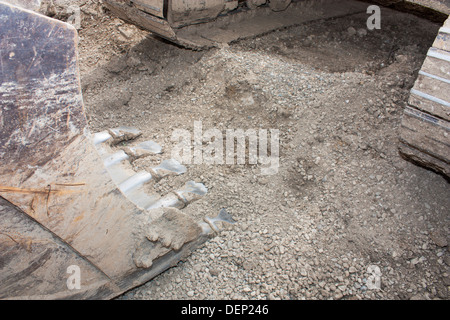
(342, 200)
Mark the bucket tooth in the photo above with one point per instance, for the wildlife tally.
(223, 216)
(169, 201)
(121, 134)
(115, 158)
(168, 167)
(116, 135)
(101, 137)
(104, 139)
(135, 181)
(191, 192)
(132, 184)
(144, 149)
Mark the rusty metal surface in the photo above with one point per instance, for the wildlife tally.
(34, 73)
(31, 257)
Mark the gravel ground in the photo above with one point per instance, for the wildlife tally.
(343, 203)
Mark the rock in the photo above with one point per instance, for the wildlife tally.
(351, 31)
(342, 288)
(362, 32)
(438, 239)
(446, 279)
(133, 62)
(116, 65)
(126, 31)
(417, 297)
(214, 272)
(401, 58)
(248, 265)
(447, 260)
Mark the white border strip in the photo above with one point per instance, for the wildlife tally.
(429, 75)
(430, 97)
(444, 30)
(435, 54)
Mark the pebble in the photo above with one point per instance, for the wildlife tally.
(438, 239)
(362, 32)
(214, 272)
(351, 31)
(338, 296)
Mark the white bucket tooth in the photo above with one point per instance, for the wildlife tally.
(131, 183)
(169, 167)
(192, 191)
(179, 199)
(195, 187)
(120, 173)
(144, 149)
(135, 181)
(223, 216)
(115, 158)
(101, 137)
(124, 133)
(150, 146)
(169, 201)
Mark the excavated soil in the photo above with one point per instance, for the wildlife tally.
(343, 201)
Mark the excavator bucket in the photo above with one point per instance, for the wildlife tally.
(76, 222)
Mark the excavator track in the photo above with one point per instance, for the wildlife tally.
(425, 128)
(205, 24)
(242, 22)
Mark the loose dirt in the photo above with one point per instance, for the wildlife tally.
(343, 202)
